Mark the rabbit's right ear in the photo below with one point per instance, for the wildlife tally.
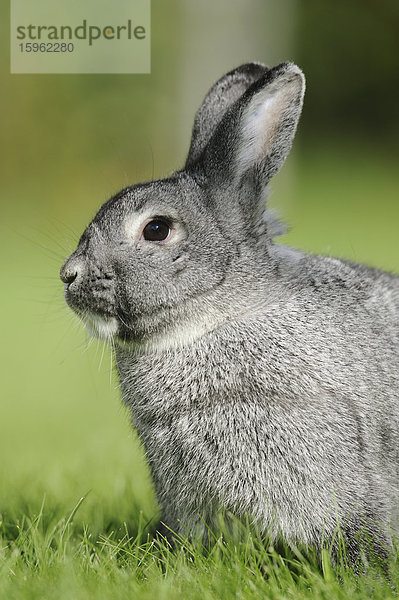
(219, 98)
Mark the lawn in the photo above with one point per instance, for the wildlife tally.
(77, 506)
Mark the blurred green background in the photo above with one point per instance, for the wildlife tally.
(70, 141)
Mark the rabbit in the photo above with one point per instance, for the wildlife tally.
(263, 381)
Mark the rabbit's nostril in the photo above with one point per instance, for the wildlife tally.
(69, 276)
(70, 271)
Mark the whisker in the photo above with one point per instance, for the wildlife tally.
(112, 350)
(125, 324)
(61, 227)
(102, 355)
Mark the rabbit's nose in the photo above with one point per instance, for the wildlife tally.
(70, 270)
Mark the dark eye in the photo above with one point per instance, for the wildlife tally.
(156, 231)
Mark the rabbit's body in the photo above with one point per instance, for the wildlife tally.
(275, 413)
(262, 380)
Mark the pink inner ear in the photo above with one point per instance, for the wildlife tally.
(258, 130)
(263, 120)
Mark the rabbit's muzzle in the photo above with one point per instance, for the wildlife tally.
(89, 288)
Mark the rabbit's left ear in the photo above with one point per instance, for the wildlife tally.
(255, 135)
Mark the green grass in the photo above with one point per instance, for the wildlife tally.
(45, 556)
(65, 436)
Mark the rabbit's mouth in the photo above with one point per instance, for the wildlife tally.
(104, 328)
(101, 326)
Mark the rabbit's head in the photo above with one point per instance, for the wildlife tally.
(154, 246)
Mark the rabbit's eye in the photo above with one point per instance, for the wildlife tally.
(156, 231)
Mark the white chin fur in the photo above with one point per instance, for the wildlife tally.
(99, 327)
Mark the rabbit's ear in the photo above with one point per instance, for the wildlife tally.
(220, 97)
(255, 135)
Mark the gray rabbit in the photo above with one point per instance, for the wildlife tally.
(262, 380)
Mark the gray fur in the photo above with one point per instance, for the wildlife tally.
(261, 379)
(227, 90)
